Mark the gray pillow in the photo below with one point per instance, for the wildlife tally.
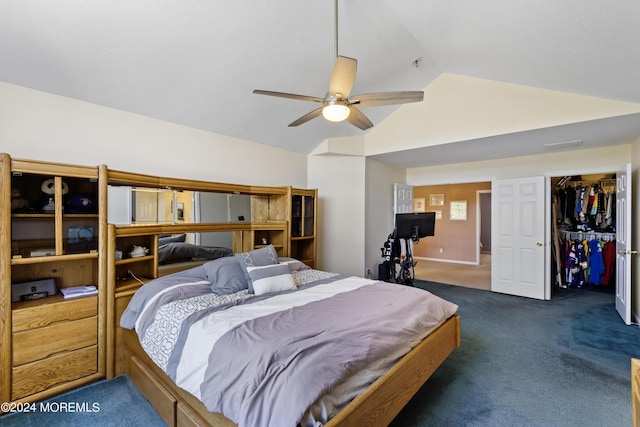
(225, 275)
(256, 258)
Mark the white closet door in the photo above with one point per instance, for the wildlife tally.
(518, 236)
(402, 198)
(623, 244)
(146, 207)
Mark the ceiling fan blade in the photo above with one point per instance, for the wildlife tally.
(288, 95)
(343, 76)
(358, 119)
(386, 98)
(310, 115)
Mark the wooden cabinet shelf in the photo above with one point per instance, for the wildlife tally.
(304, 207)
(51, 215)
(135, 260)
(52, 228)
(52, 309)
(53, 258)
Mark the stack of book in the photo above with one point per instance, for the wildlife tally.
(79, 291)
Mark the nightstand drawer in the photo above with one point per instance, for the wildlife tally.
(36, 344)
(43, 374)
(33, 315)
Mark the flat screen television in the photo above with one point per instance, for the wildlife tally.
(415, 225)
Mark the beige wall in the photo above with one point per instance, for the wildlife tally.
(574, 162)
(340, 181)
(41, 126)
(454, 240)
(379, 209)
(460, 108)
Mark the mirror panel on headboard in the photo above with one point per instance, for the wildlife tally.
(140, 205)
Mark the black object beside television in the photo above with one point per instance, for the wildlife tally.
(415, 225)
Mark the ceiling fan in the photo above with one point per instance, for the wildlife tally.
(337, 104)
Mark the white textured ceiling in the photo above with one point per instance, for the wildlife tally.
(196, 62)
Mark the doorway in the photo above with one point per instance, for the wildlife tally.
(583, 232)
(460, 252)
(607, 220)
(467, 275)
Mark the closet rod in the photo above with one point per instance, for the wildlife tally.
(600, 235)
(588, 182)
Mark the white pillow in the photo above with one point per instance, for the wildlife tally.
(271, 278)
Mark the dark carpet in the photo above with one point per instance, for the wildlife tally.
(522, 362)
(113, 403)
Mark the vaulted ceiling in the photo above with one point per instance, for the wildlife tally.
(196, 63)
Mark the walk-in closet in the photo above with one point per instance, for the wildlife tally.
(583, 210)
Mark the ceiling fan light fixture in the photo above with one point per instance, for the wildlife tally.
(337, 106)
(335, 112)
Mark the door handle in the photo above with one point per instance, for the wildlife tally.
(625, 252)
(539, 243)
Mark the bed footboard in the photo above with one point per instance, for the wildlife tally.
(376, 406)
(385, 398)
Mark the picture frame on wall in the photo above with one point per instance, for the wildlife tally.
(419, 205)
(458, 210)
(436, 199)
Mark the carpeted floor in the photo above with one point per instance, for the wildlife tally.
(564, 362)
(522, 362)
(113, 403)
(470, 276)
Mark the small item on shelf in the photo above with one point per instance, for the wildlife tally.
(79, 291)
(18, 203)
(42, 252)
(50, 207)
(138, 251)
(80, 204)
(48, 187)
(34, 289)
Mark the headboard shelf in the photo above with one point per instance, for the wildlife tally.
(135, 179)
(149, 229)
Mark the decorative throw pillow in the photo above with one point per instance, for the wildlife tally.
(257, 258)
(271, 278)
(226, 276)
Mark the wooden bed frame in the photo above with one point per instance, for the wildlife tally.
(376, 406)
(635, 391)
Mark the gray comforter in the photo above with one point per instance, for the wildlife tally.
(263, 360)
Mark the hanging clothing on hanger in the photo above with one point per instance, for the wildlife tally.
(609, 258)
(596, 262)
